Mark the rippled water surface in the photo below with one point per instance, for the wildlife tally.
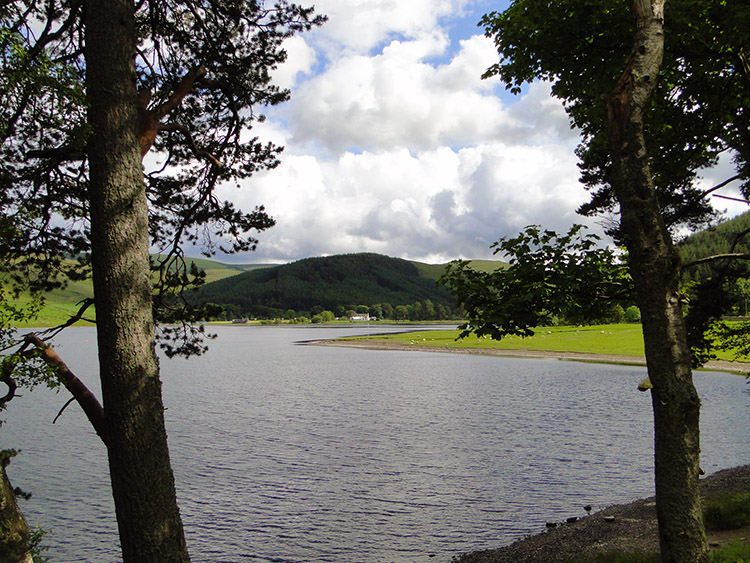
(288, 453)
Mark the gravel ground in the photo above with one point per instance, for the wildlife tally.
(633, 528)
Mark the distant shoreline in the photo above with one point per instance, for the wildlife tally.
(742, 368)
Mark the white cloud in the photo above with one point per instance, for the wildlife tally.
(300, 60)
(433, 205)
(395, 145)
(358, 26)
(397, 98)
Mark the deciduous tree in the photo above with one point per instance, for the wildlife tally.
(656, 99)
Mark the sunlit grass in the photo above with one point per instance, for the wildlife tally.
(621, 340)
(605, 340)
(61, 304)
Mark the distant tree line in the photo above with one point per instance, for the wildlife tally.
(425, 310)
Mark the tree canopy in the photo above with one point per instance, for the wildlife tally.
(699, 109)
(658, 93)
(549, 277)
(203, 70)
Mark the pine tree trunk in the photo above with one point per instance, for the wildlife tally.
(14, 531)
(655, 268)
(142, 480)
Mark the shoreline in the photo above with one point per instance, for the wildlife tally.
(630, 527)
(741, 368)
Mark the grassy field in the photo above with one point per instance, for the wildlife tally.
(621, 339)
(606, 340)
(61, 304)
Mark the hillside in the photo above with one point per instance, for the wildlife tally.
(356, 279)
(61, 304)
(331, 282)
(219, 270)
(717, 239)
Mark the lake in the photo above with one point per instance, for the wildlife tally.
(289, 453)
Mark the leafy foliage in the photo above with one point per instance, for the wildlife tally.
(722, 238)
(203, 69)
(699, 110)
(734, 552)
(568, 276)
(716, 288)
(727, 511)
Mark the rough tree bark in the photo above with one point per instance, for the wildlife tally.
(14, 531)
(655, 267)
(142, 480)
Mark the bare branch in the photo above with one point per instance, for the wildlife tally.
(62, 410)
(86, 399)
(715, 257)
(722, 184)
(731, 198)
(737, 238)
(85, 304)
(205, 155)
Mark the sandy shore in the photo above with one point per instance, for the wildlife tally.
(373, 344)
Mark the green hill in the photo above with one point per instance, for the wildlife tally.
(356, 279)
(219, 270)
(717, 239)
(330, 282)
(351, 280)
(61, 304)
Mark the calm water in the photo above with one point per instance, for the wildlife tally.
(288, 453)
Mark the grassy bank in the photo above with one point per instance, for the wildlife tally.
(603, 340)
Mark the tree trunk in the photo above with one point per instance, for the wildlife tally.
(655, 267)
(14, 531)
(142, 481)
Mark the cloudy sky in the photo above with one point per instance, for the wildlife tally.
(395, 145)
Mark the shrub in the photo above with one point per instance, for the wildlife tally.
(632, 314)
(733, 552)
(727, 511)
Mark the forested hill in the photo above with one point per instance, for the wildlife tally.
(714, 240)
(331, 283)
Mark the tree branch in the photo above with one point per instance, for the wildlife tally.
(88, 402)
(182, 90)
(85, 304)
(722, 184)
(715, 257)
(731, 198)
(149, 119)
(5, 377)
(737, 238)
(191, 143)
